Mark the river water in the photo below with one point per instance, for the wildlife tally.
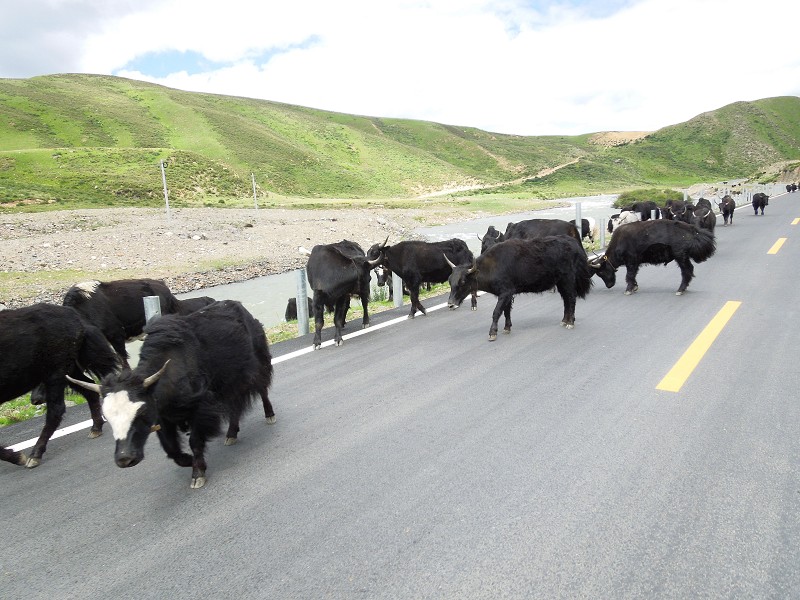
(266, 297)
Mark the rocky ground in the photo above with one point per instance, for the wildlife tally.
(42, 254)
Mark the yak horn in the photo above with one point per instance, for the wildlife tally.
(155, 376)
(305, 251)
(84, 384)
(474, 266)
(452, 266)
(383, 245)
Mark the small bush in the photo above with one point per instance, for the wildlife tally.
(659, 196)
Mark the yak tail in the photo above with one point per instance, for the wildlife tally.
(702, 245)
(583, 274)
(96, 355)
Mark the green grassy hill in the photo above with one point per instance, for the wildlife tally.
(86, 140)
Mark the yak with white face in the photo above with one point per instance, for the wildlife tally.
(195, 372)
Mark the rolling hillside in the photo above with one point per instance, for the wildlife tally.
(85, 140)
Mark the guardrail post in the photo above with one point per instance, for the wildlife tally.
(602, 233)
(302, 303)
(397, 290)
(152, 308)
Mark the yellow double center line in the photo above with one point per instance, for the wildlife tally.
(677, 376)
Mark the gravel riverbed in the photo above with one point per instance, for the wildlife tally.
(42, 254)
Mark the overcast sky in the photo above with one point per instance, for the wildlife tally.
(528, 67)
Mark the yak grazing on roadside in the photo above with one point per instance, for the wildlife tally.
(39, 346)
(525, 266)
(417, 262)
(335, 272)
(117, 307)
(529, 229)
(654, 243)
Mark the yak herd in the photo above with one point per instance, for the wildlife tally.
(203, 363)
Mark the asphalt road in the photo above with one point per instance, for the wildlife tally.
(422, 461)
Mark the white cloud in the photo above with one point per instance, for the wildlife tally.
(511, 66)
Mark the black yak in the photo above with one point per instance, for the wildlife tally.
(525, 266)
(654, 243)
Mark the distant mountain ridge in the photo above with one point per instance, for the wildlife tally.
(98, 140)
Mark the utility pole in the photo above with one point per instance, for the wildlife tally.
(164, 180)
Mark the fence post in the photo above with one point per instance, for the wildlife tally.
(152, 308)
(397, 290)
(302, 302)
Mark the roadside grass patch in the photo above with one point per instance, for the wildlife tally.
(21, 409)
(379, 302)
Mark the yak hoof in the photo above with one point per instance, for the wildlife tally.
(474, 308)
(492, 337)
(23, 459)
(507, 330)
(569, 325)
(198, 482)
(364, 325)
(271, 420)
(95, 434)
(339, 342)
(31, 462)
(679, 293)
(230, 441)
(317, 346)
(628, 292)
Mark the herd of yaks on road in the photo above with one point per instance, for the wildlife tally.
(204, 363)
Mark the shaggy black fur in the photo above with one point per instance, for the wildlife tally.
(525, 266)
(39, 346)
(216, 362)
